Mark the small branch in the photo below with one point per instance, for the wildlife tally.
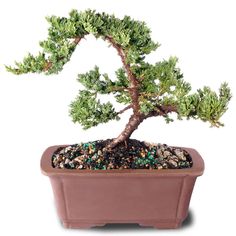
(168, 108)
(48, 64)
(162, 110)
(117, 89)
(125, 109)
(77, 40)
(148, 95)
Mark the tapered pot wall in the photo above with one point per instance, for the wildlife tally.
(87, 198)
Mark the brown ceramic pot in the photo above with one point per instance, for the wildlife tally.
(87, 198)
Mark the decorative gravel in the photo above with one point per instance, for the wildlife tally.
(131, 155)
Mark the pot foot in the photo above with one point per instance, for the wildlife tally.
(81, 225)
(172, 224)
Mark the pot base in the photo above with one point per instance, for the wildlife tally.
(164, 224)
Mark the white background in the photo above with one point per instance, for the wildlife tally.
(34, 108)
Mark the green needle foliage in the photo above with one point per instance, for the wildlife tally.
(90, 112)
(160, 87)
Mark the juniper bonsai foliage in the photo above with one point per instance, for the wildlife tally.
(150, 90)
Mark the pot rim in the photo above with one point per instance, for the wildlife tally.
(47, 169)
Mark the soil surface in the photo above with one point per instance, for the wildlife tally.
(131, 155)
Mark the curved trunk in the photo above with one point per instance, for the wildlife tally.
(131, 126)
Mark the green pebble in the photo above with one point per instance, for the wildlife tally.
(72, 165)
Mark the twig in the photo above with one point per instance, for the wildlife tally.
(124, 109)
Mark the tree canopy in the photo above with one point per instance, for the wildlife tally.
(149, 89)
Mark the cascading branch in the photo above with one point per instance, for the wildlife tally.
(148, 89)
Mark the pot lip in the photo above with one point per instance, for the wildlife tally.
(47, 169)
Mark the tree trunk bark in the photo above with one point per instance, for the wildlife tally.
(131, 126)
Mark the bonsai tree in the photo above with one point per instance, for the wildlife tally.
(150, 90)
